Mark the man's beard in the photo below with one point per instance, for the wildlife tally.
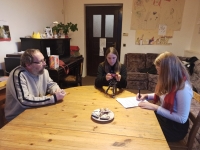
(41, 71)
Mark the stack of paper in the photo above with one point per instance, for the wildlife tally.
(129, 102)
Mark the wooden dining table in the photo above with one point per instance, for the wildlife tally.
(68, 125)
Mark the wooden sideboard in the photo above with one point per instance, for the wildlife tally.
(73, 63)
(57, 46)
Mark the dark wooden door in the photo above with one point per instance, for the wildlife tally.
(101, 22)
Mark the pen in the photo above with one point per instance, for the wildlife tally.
(139, 94)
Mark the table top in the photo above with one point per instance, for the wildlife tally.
(2, 85)
(2, 92)
(68, 125)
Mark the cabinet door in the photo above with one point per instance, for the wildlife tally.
(59, 47)
(27, 43)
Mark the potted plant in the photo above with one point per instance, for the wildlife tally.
(64, 28)
(57, 28)
(69, 26)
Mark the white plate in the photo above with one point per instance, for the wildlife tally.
(110, 114)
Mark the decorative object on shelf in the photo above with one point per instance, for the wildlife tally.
(74, 51)
(48, 32)
(57, 29)
(36, 35)
(54, 61)
(63, 29)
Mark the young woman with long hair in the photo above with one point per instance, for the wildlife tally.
(174, 92)
(111, 69)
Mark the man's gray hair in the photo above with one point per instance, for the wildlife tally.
(27, 57)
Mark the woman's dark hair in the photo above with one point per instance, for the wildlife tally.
(117, 64)
(27, 57)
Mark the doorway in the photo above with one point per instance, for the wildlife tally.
(103, 23)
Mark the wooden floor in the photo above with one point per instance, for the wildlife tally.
(88, 80)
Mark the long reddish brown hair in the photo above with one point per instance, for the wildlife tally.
(172, 73)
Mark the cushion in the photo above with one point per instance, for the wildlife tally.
(136, 76)
(135, 61)
(137, 85)
(150, 57)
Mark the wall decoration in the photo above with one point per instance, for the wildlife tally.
(102, 45)
(162, 29)
(155, 20)
(147, 15)
(4, 31)
(151, 37)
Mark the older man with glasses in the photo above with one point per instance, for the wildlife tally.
(29, 84)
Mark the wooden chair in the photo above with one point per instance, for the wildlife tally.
(187, 145)
(11, 63)
(2, 116)
(2, 102)
(75, 77)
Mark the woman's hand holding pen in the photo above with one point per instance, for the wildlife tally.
(140, 96)
(145, 105)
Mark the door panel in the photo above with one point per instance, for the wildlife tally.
(92, 43)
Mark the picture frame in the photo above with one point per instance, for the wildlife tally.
(48, 32)
(4, 31)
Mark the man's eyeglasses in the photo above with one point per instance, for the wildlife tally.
(40, 62)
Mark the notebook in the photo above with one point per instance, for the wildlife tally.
(129, 102)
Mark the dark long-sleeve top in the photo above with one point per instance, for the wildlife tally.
(101, 77)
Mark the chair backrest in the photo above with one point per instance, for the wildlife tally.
(75, 75)
(81, 67)
(194, 129)
(2, 115)
(135, 61)
(79, 72)
(11, 63)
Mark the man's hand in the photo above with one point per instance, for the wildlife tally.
(60, 94)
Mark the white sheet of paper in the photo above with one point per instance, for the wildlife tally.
(162, 29)
(101, 52)
(129, 102)
(102, 42)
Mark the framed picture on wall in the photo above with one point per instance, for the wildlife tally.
(48, 32)
(4, 31)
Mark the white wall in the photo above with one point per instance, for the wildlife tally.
(74, 11)
(24, 17)
(194, 50)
